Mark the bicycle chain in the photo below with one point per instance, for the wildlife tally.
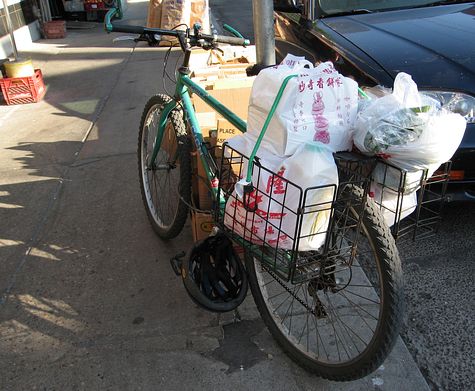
(278, 279)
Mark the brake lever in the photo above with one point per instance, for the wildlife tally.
(151, 39)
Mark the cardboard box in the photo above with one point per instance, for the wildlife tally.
(207, 121)
(232, 55)
(225, 131)
(226, 83)
(239, 54)
(203, 59)
(230, 94)
(201, 225)
(208, 73)
(169, 141)
(203, 197)
(154, 16)
(235, 82)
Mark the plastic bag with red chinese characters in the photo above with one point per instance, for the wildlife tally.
(318, 104)
(279, 218)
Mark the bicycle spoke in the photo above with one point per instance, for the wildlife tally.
(334, 319)
(348, 328)
(288, 310)
(361, 308)
(362, 297)
(319, 338)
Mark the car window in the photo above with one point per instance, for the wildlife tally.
(330, 7)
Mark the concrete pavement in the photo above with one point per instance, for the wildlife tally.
(88, 299)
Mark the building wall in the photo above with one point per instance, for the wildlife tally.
(23, 14)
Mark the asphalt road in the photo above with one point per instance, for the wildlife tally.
(439, 273)
(440, 292)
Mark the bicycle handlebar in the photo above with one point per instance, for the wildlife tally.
(110, 27)
(237, 41)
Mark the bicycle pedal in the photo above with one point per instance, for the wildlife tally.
(176, 262)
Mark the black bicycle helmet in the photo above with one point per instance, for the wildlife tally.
(213, 274)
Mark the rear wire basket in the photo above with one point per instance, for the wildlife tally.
(410, 201)
(278, 230)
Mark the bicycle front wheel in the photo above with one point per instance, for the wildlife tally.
(166, 182)
(342, 324)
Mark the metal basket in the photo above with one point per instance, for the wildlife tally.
(410, 201)
(272, 221)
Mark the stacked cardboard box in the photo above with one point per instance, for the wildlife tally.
(223, 77)
(154, 17)
(167, 14)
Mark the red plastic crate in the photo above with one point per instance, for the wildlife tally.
(54, 29)
(20, 90)
(97, 6)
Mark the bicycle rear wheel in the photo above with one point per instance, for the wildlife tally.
(165, 184)
(340, 325)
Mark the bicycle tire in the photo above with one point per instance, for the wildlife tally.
(169, 182)
(327, 328)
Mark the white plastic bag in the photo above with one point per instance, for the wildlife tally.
(394, 180)
(436, 145)
(389, 183)
(317, 105)
(408, 129)
(275, 221)
(388, 203)
(333, 100)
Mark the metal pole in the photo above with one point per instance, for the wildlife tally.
(10, 28)
(263, 17)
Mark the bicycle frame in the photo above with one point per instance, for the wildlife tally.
(184, 86)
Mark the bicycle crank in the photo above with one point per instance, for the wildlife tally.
(176, 262)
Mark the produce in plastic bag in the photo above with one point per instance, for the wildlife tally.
(319, 104)
(408, 129)
(436, 145)
(274, 223)
(397, 128)
(395, 119)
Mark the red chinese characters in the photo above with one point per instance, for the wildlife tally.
(276, 183)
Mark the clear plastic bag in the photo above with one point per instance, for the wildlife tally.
(407, 128)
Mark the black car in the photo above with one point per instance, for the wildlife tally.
(372, 41)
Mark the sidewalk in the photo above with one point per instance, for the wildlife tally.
(88, 300)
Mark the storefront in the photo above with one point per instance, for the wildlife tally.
(24, 15)
(27, 17)
(83, 10)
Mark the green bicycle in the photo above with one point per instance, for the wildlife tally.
(337, 311)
